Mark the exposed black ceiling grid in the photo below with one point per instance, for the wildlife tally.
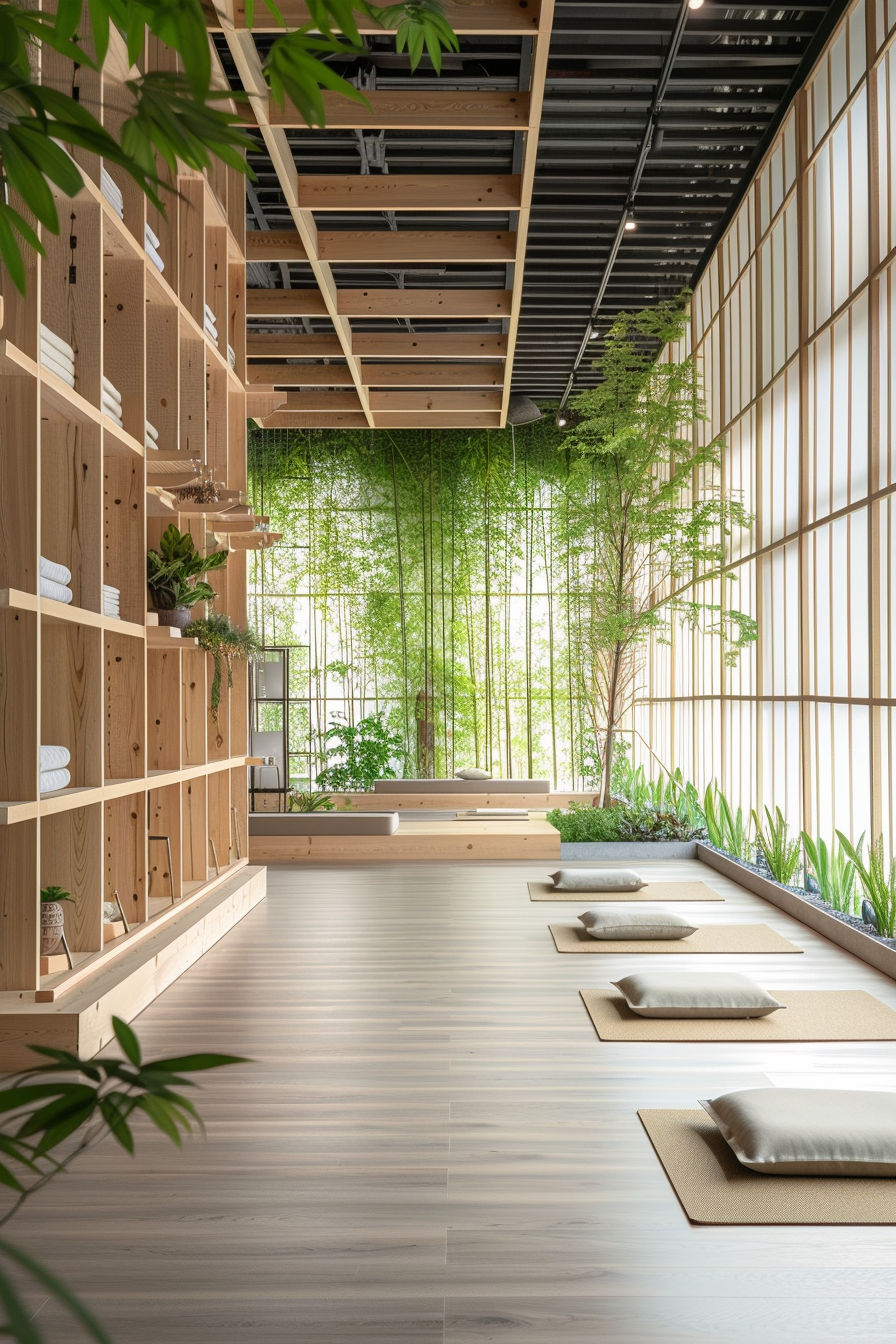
(732, 74)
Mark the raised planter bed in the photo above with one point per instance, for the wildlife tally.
(629, 850)
(867, 948)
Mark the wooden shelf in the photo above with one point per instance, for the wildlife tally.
(127, 698)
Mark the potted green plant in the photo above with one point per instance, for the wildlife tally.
(310, 801)
(52, 918)
(174, 576)
(227, 643)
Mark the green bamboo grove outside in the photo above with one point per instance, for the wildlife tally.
(431, 575)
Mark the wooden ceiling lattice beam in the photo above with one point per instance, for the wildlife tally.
(261, 345)
(249, 67)
(494, 17)
(428, 345)
(300, 375)
(488, 303)
(285, 303)
(316, 420)
(392, 247)
(450, 374)
(320, 401)
(409, 191)
(441, 420)
(407, 403)
(427, 110)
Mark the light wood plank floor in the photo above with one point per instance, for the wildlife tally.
(433, 1147)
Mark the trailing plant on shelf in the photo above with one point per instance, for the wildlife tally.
(834, 872)
(174, 576)
(63, 1107)
(877, 880)
(310, 801)
(175, 116)
(781, 853)
(360, 754)
(228, 644)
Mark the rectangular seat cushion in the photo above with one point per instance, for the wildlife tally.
(623, 926)
(695, 994)
(808, 1131)
(596, 879)
(462, 786)
(323, 823)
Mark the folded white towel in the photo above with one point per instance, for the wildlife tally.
(112, 193)
(64, 371)
(54, 779)
(57, 591)
(210, 314)
(107, 180)
(211, 333)
(49, 569)
(151, 430)
(54, 758)
(155, 258)
(49, 337)
(231, 356)
(112, 409)
(151, 237)
(109, 389)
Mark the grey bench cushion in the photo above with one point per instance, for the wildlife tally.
(323, 823)
(462, 786)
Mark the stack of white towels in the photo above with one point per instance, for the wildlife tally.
(112, 192)
(151, 436)
(57, 355)
(111, 601)
(211, 325)
(54, 773)
(231, 356)
(111, 401)
(152, 243)
(54, 580)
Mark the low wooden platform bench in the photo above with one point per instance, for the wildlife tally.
(323, 823)
(340, 837)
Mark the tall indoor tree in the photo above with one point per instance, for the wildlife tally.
(174, 117)
(649, 519)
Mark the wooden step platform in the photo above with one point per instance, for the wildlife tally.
(416, 841)
(82, 1018)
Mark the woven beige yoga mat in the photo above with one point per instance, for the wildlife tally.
(808, 1015)
(711, 938)
(655, 891)
(713, 1187)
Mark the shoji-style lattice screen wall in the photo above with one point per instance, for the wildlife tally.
(793, 328)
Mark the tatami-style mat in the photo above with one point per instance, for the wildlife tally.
(807, 1015)
(654, 891)
(710, 938)
(713, 1187)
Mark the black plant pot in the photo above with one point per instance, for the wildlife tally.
(180, 617)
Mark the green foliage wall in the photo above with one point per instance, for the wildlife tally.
(429, 574)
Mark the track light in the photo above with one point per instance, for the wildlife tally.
(594, 336)
(630, 222)
(561, 420)
(695, 4)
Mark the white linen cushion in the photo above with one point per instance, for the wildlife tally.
(620, 926)
(807, 1131)
(693, 994)
(596, 879)
(472, 772)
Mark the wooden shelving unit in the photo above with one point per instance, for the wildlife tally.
(128, 700)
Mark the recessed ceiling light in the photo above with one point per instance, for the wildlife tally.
(695, 4)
